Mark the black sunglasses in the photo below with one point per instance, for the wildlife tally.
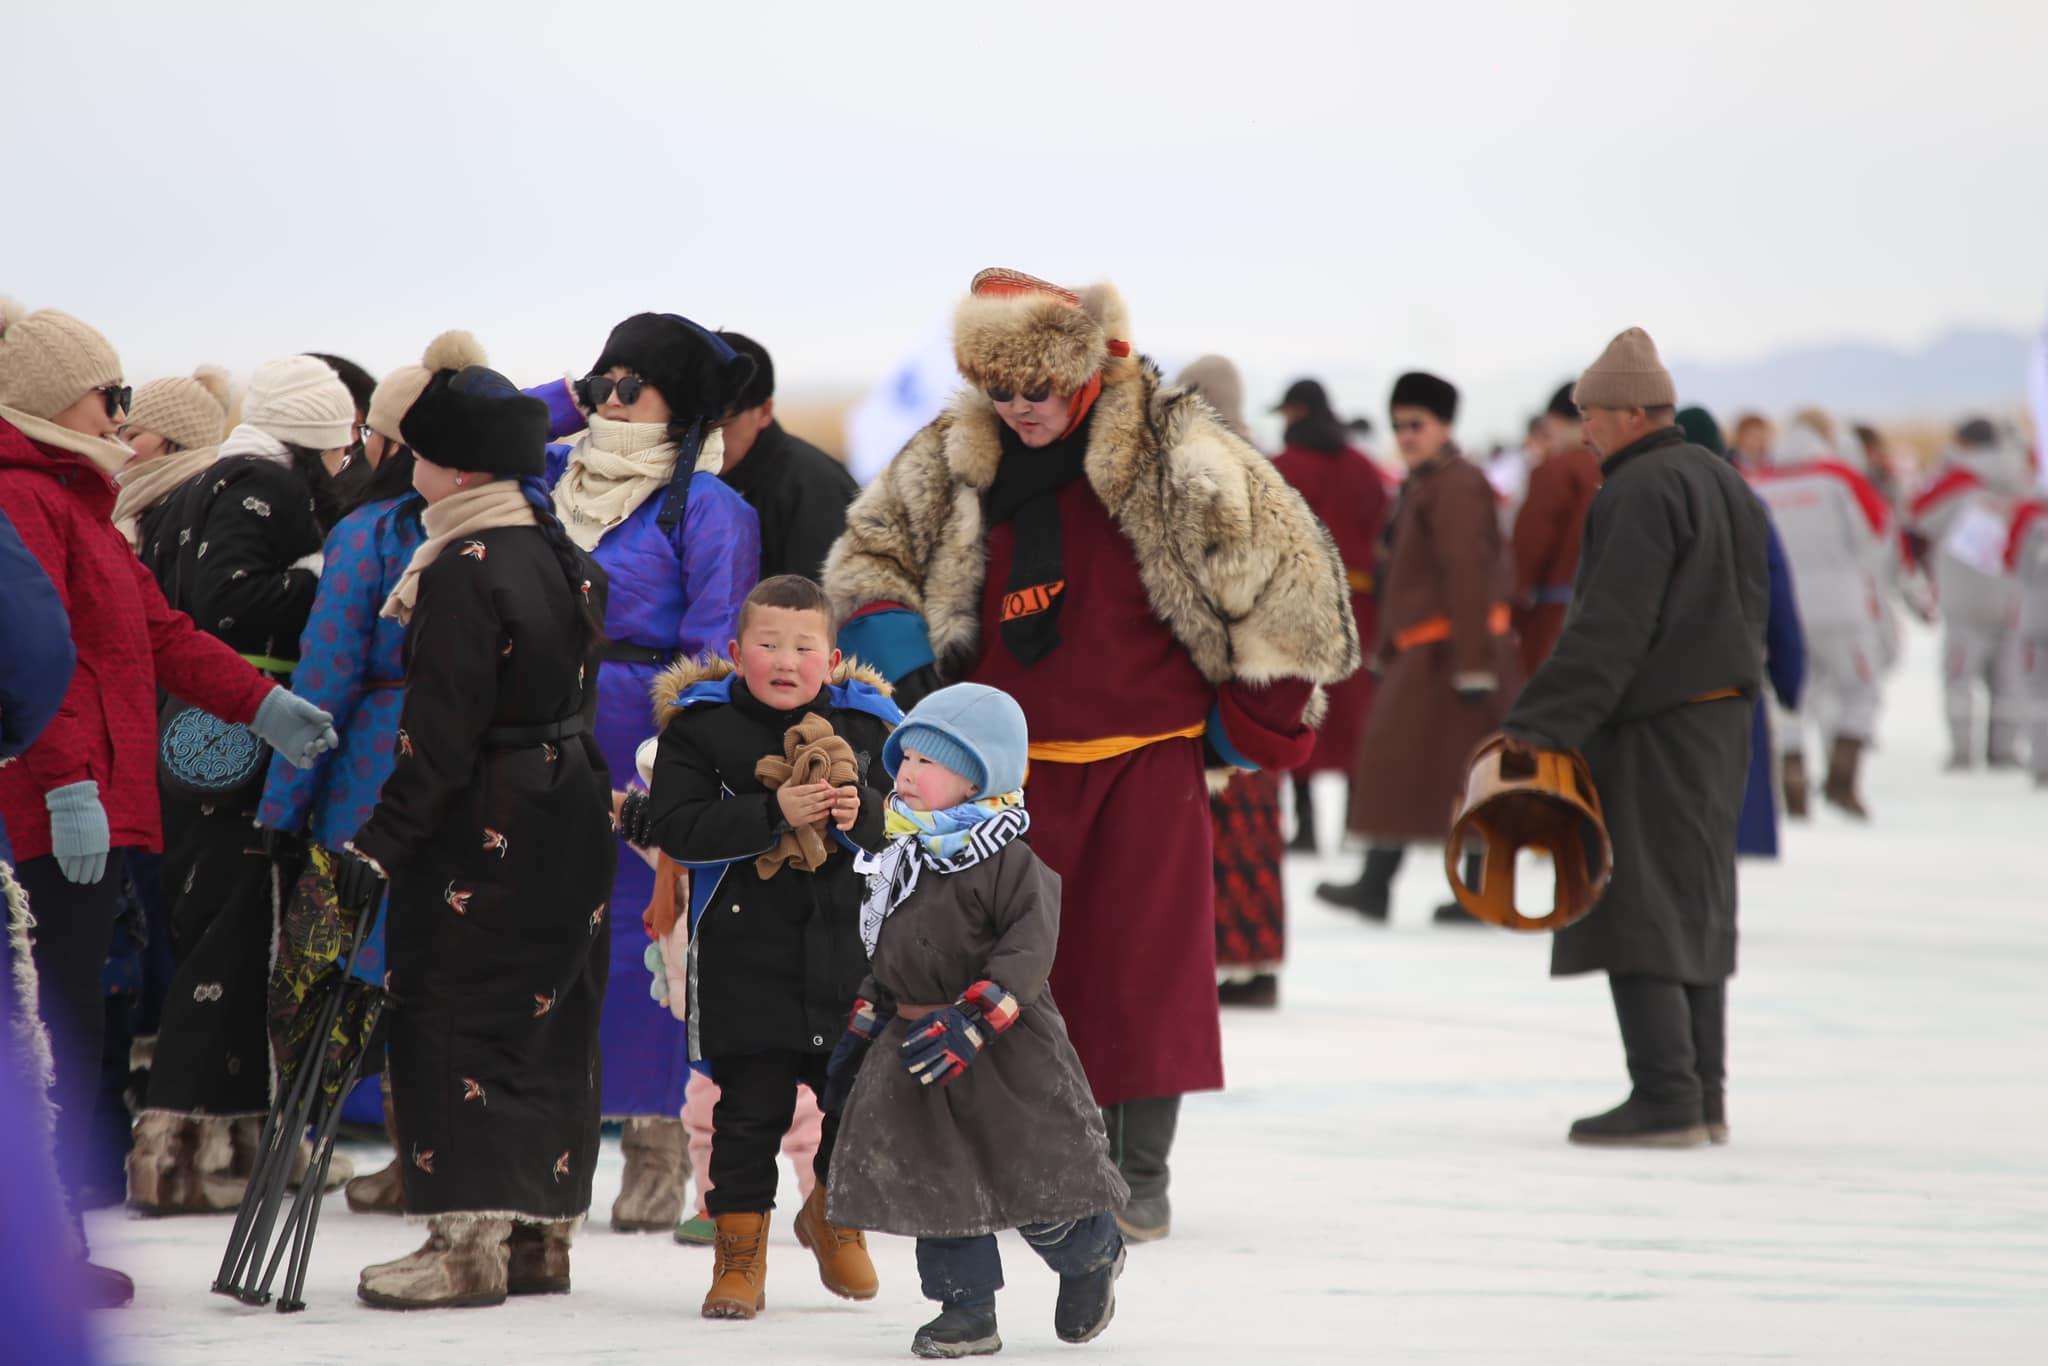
(997, 394)
(118, 397)
(598, 388)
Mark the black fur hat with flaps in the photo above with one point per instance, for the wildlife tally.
(698, 375)
(475, 419)
(1420, 389)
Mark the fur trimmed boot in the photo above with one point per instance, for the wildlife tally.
(537, 1258)
(741, 1269)
(382, 1191)
(842, 1253)
(164, 1169)
(657, 1169)
(462, 1265)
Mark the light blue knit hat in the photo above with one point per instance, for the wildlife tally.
(975, 730)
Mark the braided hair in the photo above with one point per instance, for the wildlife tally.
(578, 568)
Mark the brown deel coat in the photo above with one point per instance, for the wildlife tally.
(1445, 561)
(1548, 529)
(1017, 1138)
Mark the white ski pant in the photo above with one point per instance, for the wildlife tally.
(1974, 657)
(1842, 695)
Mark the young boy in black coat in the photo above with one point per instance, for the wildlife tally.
(767, 773)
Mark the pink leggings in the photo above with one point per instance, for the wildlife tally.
(799, 1145)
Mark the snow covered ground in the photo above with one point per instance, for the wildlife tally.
(1387, 1177)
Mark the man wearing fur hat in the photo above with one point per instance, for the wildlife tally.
(1445, 654)
(1093, 542)
(1652, 680)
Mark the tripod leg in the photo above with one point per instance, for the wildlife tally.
(292, 1298)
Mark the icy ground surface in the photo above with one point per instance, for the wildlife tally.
(1387, 1179)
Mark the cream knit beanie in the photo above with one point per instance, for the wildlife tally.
(300, 401)
(1627, 375)
(399, 390)
(190, 412)
(50, 360)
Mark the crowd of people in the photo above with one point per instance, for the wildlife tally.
(683, 772)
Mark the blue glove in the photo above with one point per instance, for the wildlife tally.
(844, 1065)
(944, 1043)
(658, 965)
(294, 727)
(78, 831)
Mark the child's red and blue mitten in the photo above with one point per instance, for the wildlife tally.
(844, 1065)
(942, 1044)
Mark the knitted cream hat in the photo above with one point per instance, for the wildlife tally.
(399, 390)
(1627, 375)
(300, 401)
(190, 412)
(50, 360)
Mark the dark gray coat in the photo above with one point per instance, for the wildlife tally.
(1016, 1139)
(1669, 607)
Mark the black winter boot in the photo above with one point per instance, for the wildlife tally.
(960, 1330)
(1304, 841)
(1141, 1139)
(1372, 895)
(1451, 913)
(1710, 1054)
(1261, 991)
(1663, 1108)
(1087, 1302)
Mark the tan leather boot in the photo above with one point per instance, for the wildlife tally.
(1844, 759)
(842, 1253)
(741, 1269)
(539, 1258)
(382, 1191)
(462, 1265)
(657, 1167)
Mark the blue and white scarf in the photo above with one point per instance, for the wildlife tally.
(944, 841)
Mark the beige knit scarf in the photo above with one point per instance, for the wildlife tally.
(106, 454)
(614, 468)
(460, 515)
(146, 483)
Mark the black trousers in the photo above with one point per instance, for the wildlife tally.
(74, 926)
(756, 1102)
(969, 1271)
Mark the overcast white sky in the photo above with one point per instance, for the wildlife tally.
(1486, 189)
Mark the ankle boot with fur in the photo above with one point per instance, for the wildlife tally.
(842, 1253)
(537, 1258)
(164, 1175)
(657, 1168)
(462, 1265)
(740, 1270)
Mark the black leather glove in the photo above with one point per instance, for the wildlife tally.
(358, 883)
(284, 846)
(636, 826)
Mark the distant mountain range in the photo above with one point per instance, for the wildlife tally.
(1966, 370)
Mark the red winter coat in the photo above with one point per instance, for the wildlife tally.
(1349, 495)
(129, 642)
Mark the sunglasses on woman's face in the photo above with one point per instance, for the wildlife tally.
(599, 388)
(1038, 395)
(118, 397)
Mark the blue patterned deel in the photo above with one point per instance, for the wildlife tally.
(206, 755)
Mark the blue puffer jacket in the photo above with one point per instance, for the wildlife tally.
(680, 596)
(36, 658)
(1785, 659)
(351, 664)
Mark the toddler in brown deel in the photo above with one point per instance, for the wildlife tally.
(940, 1143)
(765, 780)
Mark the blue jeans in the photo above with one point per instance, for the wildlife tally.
(969, 1271)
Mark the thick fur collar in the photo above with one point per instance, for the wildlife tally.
(1232, 559)
(672, 682)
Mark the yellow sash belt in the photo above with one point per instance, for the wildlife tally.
(1110, 747)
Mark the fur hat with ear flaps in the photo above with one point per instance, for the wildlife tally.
(1015, 331)
(398, 391)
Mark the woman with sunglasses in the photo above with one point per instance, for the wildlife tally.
(87, 787)
(639, 490)
(351, 663)
(238, 547)
(1094, 542)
